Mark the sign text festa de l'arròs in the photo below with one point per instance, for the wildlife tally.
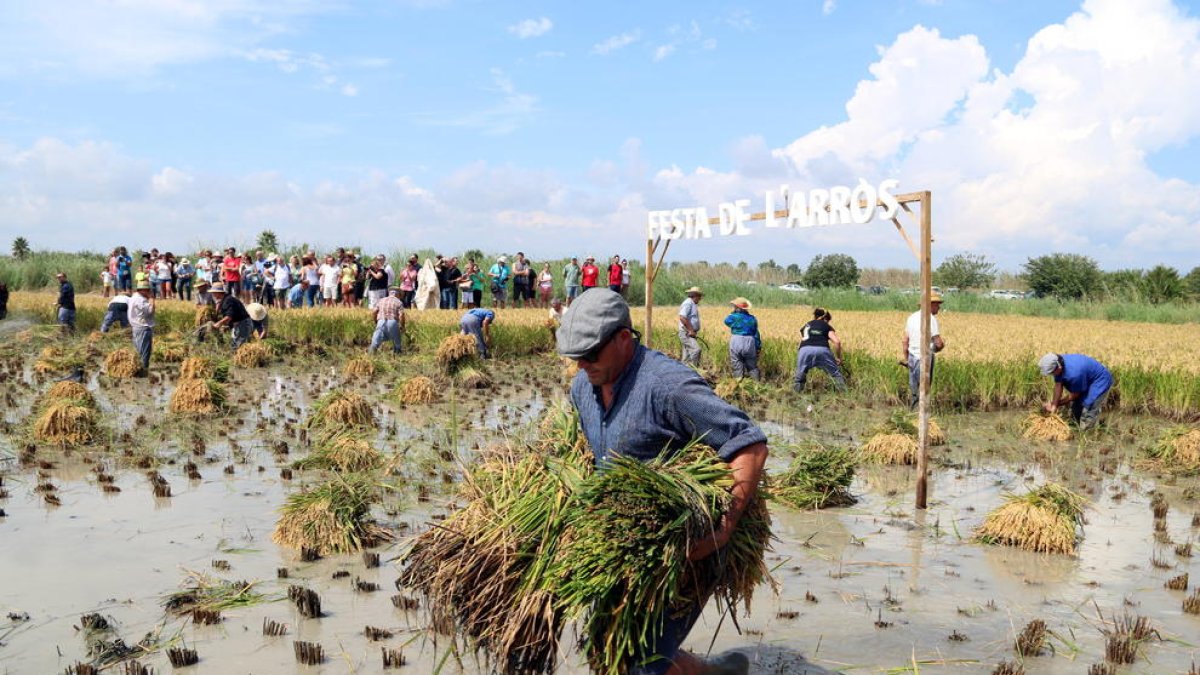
(834, 206)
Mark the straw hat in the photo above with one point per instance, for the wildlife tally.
(741, 303)
(201, 283)
(217, 288)
(256, 311)
(934, 296)
(694, 290)
(143, 286)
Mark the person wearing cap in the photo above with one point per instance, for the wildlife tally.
(590, 273)
(1086, 381)
(65, 303)
(233, 315)
(478, 323)
(259, 321)
(389, 321)
(689, 326)
(816, 339)
(744, 341)
(202, 295)
(499, 274)
(641, 404)
(184, 275)
(910, 346)
(117, 312)
(141, 319)
(571, 274)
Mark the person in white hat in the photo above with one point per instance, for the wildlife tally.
(744, 341)
(233, 316)
(689, 326)
(911, 346)
(141, 319)
(185, 274)
(258, 319)
(499, 274)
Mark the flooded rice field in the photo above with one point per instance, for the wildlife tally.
(872, 587)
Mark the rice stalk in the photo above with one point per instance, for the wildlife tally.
(66, 422)
(819, 477)
(333, 517)
(339, 409)
(1043, 427)
(418, 390)
(345, 452)
(455, 351)
(741, 389)
(1043, 520)
(203, 592)
(252, 355)
(197, 397)
(122, 363)
(890, 448)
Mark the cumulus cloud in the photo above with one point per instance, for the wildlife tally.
(530, 28)
(612, 44)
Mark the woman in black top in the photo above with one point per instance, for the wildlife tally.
(816, 337)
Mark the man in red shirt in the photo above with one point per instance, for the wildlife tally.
(615, 271)
(591, 273)
(231, 271)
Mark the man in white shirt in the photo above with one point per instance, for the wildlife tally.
(141, 318)
(118, 312)
(911, 346)
(689, 326)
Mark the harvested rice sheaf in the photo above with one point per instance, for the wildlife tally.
(205, 314)
(1043, 427)
(345, 453)
(359, 367)
(197, 397)
(417, 390)
(252, 355)
(122, 363)
(203, 368)
(1179, 447)
(169, 351)
(333, 517)
(68, 390)
(741, 389)
(339, 409)
(1043, 520)
(893, 448)
(66, 422)
(905, 422)
(819, 477)
(454, 351)
(473, 378)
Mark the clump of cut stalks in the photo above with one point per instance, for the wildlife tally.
(905, 422)
(472, 378)
(54, 358)
(741, 389)
(1032, 639)
(203, 592)
(345, 452)
(197, 397)
(455, 351)
(122, 363)
(544, 540)
(1124, 638)
(1045, 427)
(1179, 447)
(252, 355)
(890, 448)
(819, 477)
(417, 390)
(169, 350)
(68, 390)
(67, 422)
(205, 314)
(339, 409)
(203, 368)
(1042, 520)
(359, 367)
(333, 517)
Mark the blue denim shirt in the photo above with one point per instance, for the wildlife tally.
(659, 404)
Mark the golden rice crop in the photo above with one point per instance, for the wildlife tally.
(417, 391)
(1178, 447)
(122, 363)
(344, 452)
(455, 349)
(891, 448)
(66, 422)
(252, 355)
(1041, 427)
(339, 409)
(1043, 520)
(194, 396)
(68, 390)
(359, 367)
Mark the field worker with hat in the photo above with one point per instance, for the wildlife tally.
(478, 323)
(689, 326)
(911, 346)
(202, 295)
(816, 339)
(118, 311)
(233, 315)
(499, 274)
(389, 321)
(1086, 381)
(259, 321)
(639, 403)
(141, 318)
(589, 273)
(66, 303)
(744, 341)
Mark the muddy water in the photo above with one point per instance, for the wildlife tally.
(874, 586)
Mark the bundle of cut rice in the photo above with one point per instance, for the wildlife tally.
(205, 314)
(890, 449)
(338, 410)
(417, 390)
(333, 517)
(122, 363)
(193, 396)
(202, 368)
(66, 422)
(473, 378)
(359, 367)
(1042, 427)
(905, 422)
(741, 389)
(1043, 520)
(455, 351)
(1179, 447)
(819, 477)
(68, 390)
(169, 351)
(252, 355)
(346, 452)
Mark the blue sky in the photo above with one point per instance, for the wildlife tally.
(553, 127)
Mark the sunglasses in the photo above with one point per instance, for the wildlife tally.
(593, 355)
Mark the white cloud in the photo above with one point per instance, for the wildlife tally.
(349, 90)
(663, 51)
(530, 28)
(612, 44)
(828, 7)
(682, 35)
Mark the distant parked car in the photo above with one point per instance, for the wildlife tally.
(877, 290)
(795, 288)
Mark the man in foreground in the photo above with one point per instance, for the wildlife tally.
(1086, 381)
(233, 316)
(640, 403)
(910, 347)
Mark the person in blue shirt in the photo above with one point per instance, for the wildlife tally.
(744, 341)
(641, 404)
(478, 323)
(1086, 381)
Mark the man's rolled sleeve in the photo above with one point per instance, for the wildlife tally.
(711, 419)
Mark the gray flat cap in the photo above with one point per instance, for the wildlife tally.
(596, 315)
(1048, 363)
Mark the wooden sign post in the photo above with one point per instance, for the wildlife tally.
(923, 254)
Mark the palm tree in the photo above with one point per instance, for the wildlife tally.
(20, 248)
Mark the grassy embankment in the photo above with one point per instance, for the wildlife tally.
(989, 361)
